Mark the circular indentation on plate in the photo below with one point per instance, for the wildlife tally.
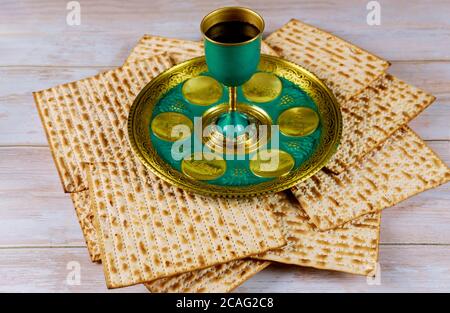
(204, 166)
(262, 87)
(298, 122)
(202, 90)
(271, 163)
(256, 134)
(172, 126)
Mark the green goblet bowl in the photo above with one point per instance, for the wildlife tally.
(233, 65)
(233, 61)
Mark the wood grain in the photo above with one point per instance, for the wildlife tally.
(39, 233)
(20, 124)
(45, 270)
(402, 269)
(409, 30)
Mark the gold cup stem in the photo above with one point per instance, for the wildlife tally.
(233, 99)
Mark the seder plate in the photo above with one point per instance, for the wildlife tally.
(305, 116)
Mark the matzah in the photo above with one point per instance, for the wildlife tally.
(352, 248)
(387, 101)
(219, 278)
(344, 68)
(82, 203)
(85, 121)
(179, 49)
(148, 229)
(372, 116)
(402, 167)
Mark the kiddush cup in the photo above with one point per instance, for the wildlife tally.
(232, 38)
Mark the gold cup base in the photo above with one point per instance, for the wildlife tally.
(255, 135)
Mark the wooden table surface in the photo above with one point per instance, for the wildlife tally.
(39, 233)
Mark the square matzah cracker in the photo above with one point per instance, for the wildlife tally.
(149, 229)
(219, 278)
(370, 117)
(180, 50)
(402, 167)
(85, 121)
(346, 69)
(352, 248)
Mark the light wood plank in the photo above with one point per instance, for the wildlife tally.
(19, 120)
(115, 15)
(38, 50)
(409, 30)
(20, 124)
(45, 270)
(433, 77)
(35, 212)
(110, 49)
(424, 218)
(66, 48)
(403, 268)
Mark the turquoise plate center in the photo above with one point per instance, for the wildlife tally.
(238, 171)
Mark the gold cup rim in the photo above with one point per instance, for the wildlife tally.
(232, 14)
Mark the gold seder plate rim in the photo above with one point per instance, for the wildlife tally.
(142, 108)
